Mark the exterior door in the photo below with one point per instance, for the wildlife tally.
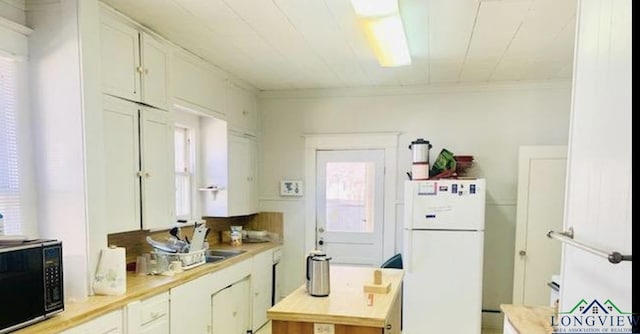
(349, 216)
(540, 208)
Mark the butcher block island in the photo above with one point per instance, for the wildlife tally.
(348, 308)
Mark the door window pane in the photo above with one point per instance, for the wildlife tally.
(350, 194)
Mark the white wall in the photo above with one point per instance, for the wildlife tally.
(598, 203)
(489, 122)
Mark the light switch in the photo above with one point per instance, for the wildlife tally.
(323, 328)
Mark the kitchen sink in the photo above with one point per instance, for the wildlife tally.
(216, 255)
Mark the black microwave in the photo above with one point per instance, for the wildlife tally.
(31, 285)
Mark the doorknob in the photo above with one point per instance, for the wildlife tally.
(320, 242)
(321, 229)
(522, 252)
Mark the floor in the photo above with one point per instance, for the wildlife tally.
(266, 329)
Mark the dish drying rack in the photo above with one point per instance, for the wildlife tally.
(189, 260)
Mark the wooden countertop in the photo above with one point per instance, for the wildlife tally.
(347, 303)
(529, 319)
(138, 287)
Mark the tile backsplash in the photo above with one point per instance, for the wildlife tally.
(135, 241)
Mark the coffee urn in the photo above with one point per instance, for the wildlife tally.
(420, 153)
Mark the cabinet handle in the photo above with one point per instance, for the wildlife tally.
(389, 327)
(139, 69)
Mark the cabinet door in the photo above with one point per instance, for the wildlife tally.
(120, 59)
(239, 191)
(154, 72)
(110, 323)
(261, 284)
(241, 109)
(158, 185)
(122, 163)
(190, 307)
(252, 195)
(194, 85)
(230, 309)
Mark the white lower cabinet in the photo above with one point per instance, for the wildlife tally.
(261, 288)
(230, 309)
(190, 306)
(149, 315)
(217, 303)
(110, 323)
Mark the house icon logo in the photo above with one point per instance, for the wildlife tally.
(594, 317)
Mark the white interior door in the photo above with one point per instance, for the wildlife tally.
(349, 218)
(540, 208)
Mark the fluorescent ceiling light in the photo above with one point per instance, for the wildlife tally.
(370, 8)
(386, 36)
(384, 30)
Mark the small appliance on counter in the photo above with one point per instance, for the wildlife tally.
(420, 162)
(318, 274)
(31, 282)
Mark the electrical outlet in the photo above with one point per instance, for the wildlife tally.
(323, 329)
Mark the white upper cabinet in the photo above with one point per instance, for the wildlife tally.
(243, 170)
(242, 112)
(229, 171)
(154, 67)
(157, 168)
(139, 165)
(122, 164)
(196, 84)
(134, 63)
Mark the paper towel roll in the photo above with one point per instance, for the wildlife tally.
(111, 274)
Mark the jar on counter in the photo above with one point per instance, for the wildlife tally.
(236, 235)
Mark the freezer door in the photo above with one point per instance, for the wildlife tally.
(443, 282)
(445, 204)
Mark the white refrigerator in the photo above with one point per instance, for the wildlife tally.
(443, 255)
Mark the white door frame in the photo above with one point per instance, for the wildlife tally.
(388, 141)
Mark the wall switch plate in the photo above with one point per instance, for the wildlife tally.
(323, 328)
(291, 188)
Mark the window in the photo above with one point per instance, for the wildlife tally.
(185, 147)
(10, 198)
(183, 172)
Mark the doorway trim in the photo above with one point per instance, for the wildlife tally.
(387, 141)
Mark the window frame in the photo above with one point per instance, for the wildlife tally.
(190, 122)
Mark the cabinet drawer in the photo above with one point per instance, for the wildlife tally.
(109, 323)
(154, 308)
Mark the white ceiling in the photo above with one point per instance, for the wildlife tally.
(297, 44)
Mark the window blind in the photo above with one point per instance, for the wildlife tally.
(10, 196)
